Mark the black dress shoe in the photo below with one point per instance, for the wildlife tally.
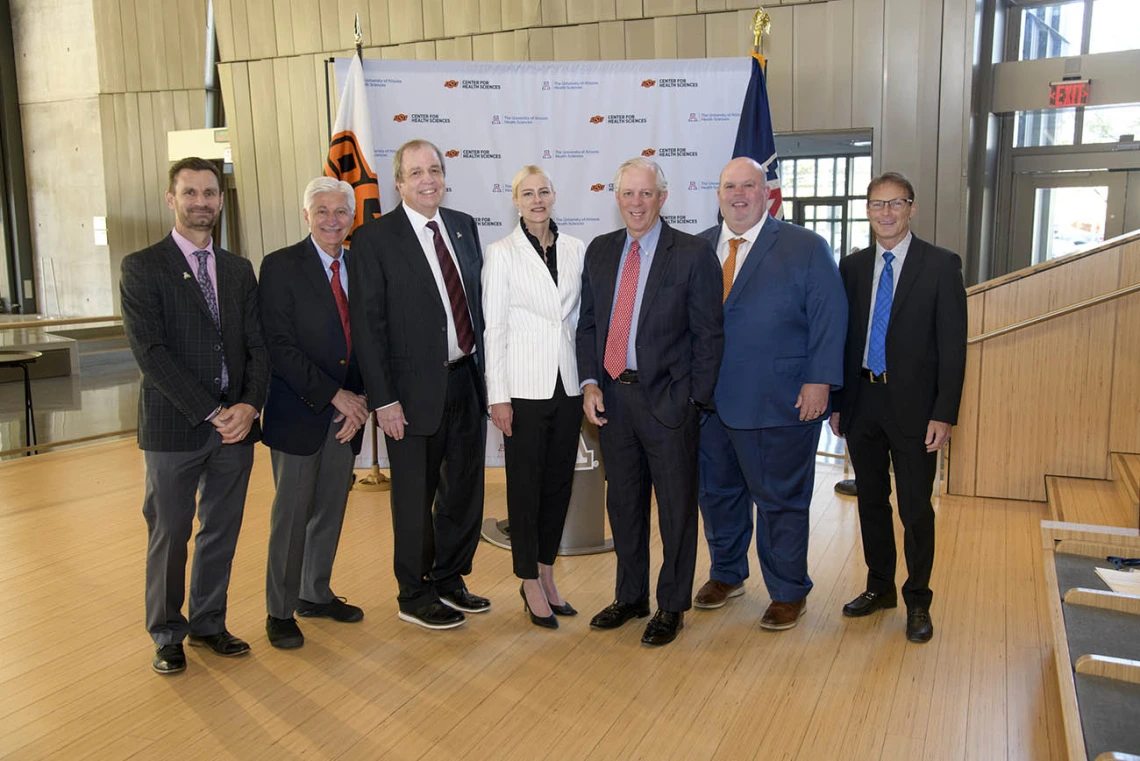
(919, 627)
(548, 622)
(617, 613)
(565, 609)
(868, 602)
(337, 609)
(284, 633)
(222, 643)
(465, 602)
(662, 628)
(169, 659)
(434, 615)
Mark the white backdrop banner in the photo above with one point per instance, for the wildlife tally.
(577, 120)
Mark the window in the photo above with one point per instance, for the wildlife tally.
(1107, 124)
(826, 194)
(1113, 26)
(1049, 31)
(1050, 126)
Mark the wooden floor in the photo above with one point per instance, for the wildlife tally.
(75, 678)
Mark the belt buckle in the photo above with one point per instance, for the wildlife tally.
(879, 378)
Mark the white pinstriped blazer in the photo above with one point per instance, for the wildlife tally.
(530, 322)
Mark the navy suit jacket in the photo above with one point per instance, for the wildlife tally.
(785, 322)
(399, 326)
(680, 331)
(306, 349)
(179, 349)
(926, 337)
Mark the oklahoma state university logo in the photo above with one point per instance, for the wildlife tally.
(598, 187)
(451, 84)
(597, 119)
(400, 118)
(451, 154)
(648, 82)
(649, 152)
(346, 162)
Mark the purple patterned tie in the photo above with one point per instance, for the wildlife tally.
(464, 332)
(207, 287)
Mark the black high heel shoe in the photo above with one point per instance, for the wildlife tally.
(550, 622)
(565, 609)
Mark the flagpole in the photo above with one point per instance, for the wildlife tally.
(375, 480)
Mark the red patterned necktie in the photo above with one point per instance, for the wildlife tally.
(617, 342)
(341, 304)
(464, 333)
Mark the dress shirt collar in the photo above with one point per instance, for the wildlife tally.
(648, 241)
(419, 221)
(899, 250)
(750, 235)
(327, 260)
(186, 247)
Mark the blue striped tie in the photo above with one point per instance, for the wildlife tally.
(877, 350)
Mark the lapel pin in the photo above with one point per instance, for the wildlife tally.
(185, 275)
(459, 235)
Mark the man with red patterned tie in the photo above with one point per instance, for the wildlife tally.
(650, 337)
(417, 322)
(314, 415)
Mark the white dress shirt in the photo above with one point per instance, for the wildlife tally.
(742, 250)
(427, 243)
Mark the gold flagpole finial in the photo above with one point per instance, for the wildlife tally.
(357, 31)
(761, 26)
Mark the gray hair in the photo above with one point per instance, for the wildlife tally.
(640, 162)
(411, 145)
(322, 184)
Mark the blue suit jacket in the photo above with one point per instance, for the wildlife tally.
(306, 348)
(785, 322)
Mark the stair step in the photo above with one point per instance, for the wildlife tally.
(1126, 473)
(1092, 501)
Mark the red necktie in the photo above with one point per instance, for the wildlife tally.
(464, 333)
(617, 342)
(341, 305)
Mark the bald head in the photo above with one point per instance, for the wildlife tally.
(743, 194)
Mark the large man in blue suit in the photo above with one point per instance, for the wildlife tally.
(785, 320)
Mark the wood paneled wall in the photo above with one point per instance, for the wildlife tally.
(898, 67)
(1055, 398)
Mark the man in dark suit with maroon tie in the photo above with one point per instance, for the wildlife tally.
(315, 413)
(650, 337)
(417, 322)
(190, 315)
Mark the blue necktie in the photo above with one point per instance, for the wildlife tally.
(207, 287)
(877, 350)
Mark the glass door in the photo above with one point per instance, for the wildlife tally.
(1060, 213)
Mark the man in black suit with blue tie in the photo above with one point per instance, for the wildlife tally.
(190, 314)
(650, 335)
(315, 414)
(904, 364)
(417, 321)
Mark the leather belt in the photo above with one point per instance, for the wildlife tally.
(457, 364)
(627, 377)
(868, 375)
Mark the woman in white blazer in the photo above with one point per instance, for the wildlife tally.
(532, 283)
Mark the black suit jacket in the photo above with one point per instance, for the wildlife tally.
(680, 331)
(399, 326)
(926, 337)
(307, 350)
(179, 350)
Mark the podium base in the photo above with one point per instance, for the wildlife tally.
(498, 533)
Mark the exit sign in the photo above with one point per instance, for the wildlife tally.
(1071, 92)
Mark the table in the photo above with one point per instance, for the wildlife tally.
(22, 359)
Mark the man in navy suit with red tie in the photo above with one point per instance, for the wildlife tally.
(785, 317)
(649, 344)
(315, 412)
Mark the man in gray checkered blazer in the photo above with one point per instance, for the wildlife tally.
(191, 315)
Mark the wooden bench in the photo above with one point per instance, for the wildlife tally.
(1096, 640)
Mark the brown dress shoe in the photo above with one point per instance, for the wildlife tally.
(783, 615)
(714, 594)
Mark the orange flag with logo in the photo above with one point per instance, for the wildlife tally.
(350, 149)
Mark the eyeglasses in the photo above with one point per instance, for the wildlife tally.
(896, 204)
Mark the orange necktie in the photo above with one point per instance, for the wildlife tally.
(728, 271)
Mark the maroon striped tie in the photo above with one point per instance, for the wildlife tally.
(464, 333)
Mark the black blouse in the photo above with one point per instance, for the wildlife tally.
(550, 256)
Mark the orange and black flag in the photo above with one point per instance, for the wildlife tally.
(350, 149)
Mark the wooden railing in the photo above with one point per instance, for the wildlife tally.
(1052, 374)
